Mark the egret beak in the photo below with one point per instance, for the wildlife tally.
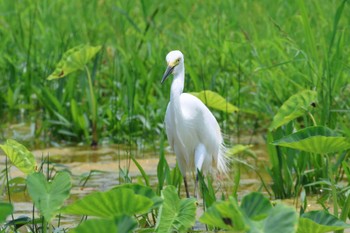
(168, 71)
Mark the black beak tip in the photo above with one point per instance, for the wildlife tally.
(168, 71)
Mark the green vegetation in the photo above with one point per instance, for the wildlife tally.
(136, 207)
(281, 68)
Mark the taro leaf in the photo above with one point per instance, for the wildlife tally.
(48, 197)
(315, 139)
(256, 206)
(112, 203)
(20, 156)
(74, 59)
(282, 218)
(175, 215)
(5, 210)
(296, 106)
(122, 224)
(320, 222)
(144, 191)
(225, 215)
(214, 100)
(254, 215)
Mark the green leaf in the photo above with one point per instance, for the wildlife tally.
(74, 59)
(20, 156)
(214, 100)
(112, 203)
(315, 139)
(122, 224)
(282, 218)
(256, 206)
(142, 171)
(296, 106)
(320, 222)
(144, 191)
(175, 215)
(239, 148)
(225, 215)
(255, 215)
(5, 210)
(48, 197)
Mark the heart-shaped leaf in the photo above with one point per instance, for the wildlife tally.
(144, 191)
(122, 224)
(315, 139)
(175, 215)
(254, 215)
(74, 59)
(320, 222)
(282, 218)
(256, 206)
(48, 196)
(225, 215)
(20, 156)
(112, 203)
(296, 106)
(214, 100)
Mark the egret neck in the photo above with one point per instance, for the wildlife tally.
(177, 85)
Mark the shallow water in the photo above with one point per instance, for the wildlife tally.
(106, 163)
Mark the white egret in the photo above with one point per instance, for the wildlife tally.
(192, 130)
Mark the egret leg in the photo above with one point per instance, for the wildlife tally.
(186, 187)
(196, 193)
(199, 156)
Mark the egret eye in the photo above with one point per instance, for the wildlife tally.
(178, 60)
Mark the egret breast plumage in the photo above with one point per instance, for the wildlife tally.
(192, 130)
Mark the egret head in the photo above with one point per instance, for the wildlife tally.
(175, 60)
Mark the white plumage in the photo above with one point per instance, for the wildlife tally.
(192, 130)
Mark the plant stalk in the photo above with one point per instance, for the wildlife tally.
(93, 108)
(333, 187)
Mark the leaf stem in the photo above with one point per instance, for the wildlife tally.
(333, 187)
(93, 107)
(312, 118)
(8, 184)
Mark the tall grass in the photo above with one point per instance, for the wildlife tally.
(281, 47)
(256, 53)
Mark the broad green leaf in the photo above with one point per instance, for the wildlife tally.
(175, 215)
(48, 196)
(74, 59)
(225, 215)
(122, 224)
(282, 218)
(144, 191)
(320, 222)
(5, 210)
(254, 215)
(255, 206)
(296, 106)
(20, 156)
(112, 203)
(214, 100)
(315, 139)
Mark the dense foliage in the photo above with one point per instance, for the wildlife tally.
(283, 67)
(256, 54)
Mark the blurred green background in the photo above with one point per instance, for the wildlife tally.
(256, 54)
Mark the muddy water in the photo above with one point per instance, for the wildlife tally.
(106, 164)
